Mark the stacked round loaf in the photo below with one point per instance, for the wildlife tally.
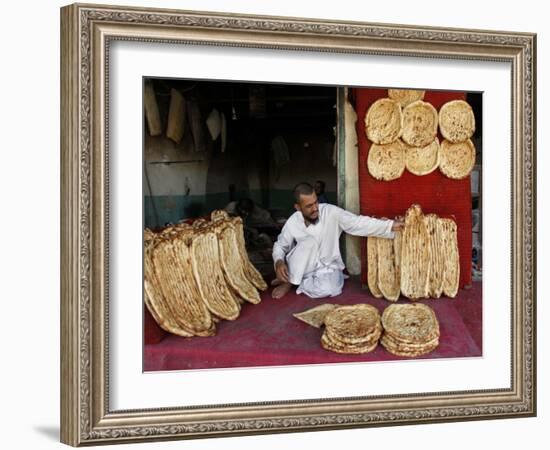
(352, 329)
(404, 329)
(410, 329)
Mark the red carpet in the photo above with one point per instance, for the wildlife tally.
(268, 335)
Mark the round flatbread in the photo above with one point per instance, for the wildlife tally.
(406, 351)
(353, 323)
(410, 323)
(370, 338)
(386, 161)
(422, 160)
(405, 96)
(407, 346)
(330, 345)
(419, 124)
(457, 121)
(456, 161)
(384, 121)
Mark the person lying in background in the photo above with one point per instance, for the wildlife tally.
(258, 226)
(252, 214)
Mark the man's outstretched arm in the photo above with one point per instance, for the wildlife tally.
(358, 225)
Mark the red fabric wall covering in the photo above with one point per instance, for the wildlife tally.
(434, 192)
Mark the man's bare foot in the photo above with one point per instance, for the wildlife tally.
(281, 290)
(275, 282)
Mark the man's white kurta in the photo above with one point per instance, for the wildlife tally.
(312, 252)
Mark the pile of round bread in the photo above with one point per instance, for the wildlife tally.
(408, 329)
(422, 261)
(352, 329)
(196, 275)
(403, 131)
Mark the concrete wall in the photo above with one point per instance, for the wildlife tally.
(191, 183)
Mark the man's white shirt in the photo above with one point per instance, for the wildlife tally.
(322, 238)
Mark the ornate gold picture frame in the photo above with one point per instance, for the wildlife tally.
(87, 33)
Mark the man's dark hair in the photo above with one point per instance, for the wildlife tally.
(302, 189)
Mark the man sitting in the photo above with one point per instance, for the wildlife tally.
(307, 252)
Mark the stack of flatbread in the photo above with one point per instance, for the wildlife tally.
(352, 329)
(196, 275)
(422, 261)
(457, 126)
(410, 329)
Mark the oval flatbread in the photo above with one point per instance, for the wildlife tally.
(389, 282)
(415, 255)
(155, 301)
(171, 262)
(384, 121)
(250, 271)
(386, 161)
(456, 161)
(372, 265)
(422, 160)
(451, 271)
(437, 257)
(419, 124)
(405, 96)
(457, 121)
(233, 266)
(213, 289)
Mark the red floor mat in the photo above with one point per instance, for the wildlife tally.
(268, 335)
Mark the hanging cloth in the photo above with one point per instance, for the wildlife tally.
(196, 125)
(224, 132)
(176, 117)
(280, 153)
(214, 124)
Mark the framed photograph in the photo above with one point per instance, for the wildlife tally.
(205, 156)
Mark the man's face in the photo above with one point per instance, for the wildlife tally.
(309, 207)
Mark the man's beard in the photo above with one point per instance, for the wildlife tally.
(310, 221)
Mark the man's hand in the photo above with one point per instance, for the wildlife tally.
(281, 270)
(398, 224)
